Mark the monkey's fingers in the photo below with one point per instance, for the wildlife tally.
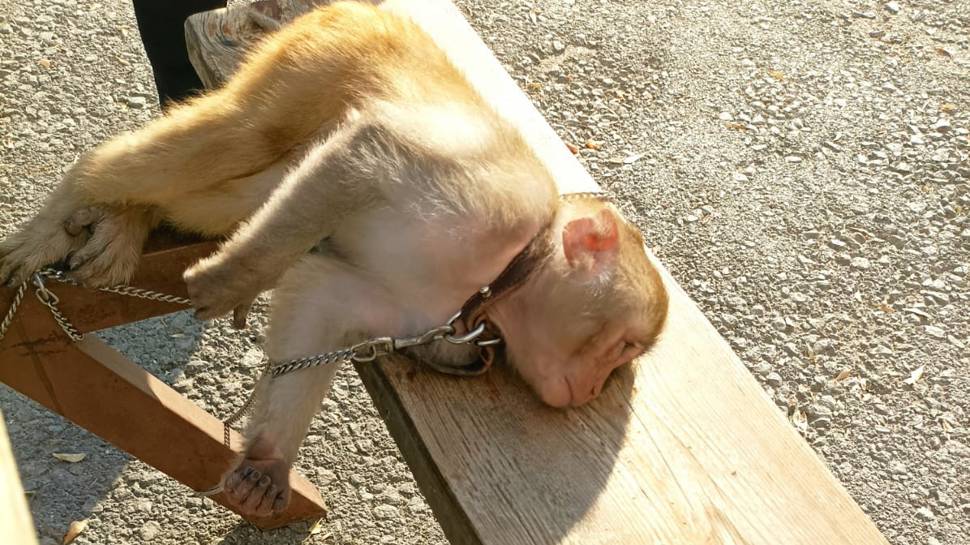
(240, 493)
(31, 249)
(83, 219)
(257, 495)
(240, 313)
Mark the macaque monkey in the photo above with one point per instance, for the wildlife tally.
(355, 171)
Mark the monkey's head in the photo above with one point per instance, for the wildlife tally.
(595, 303)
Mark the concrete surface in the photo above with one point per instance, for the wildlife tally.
(801, 167)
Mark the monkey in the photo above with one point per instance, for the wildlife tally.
(353, 170)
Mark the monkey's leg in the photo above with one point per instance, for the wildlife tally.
(318, 303)
(308, 206)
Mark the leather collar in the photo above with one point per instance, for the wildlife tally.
(475, 310)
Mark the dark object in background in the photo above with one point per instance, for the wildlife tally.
(160, 23)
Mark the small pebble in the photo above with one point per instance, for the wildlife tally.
(136, 102)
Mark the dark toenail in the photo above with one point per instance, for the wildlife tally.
(254, 476)
(265, 480)
(246, 471)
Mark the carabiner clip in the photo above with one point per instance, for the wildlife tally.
(467, 337)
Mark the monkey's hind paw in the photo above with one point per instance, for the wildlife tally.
(113, 250)
(41, 243)
(259, 488)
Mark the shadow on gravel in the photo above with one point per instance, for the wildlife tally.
(61, 492)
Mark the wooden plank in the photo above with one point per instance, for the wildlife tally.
(683, 448)
(217, 39)
(160, 270)
(144, 414)
(97, 388)
(18, 526)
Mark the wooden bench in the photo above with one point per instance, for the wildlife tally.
(684, 448)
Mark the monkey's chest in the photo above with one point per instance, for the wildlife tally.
(430, 265)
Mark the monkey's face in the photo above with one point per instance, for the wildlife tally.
(595, 305)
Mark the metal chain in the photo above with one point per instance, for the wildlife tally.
(365, 352)
(345, 355)
(49, 300)
(18, 298)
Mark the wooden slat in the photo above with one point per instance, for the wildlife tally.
(97, 388)
(15, 520)
(160, 270)
(100, 390)
(685, 448)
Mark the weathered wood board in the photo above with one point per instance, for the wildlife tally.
(97, 388)
(15, 520)
(685, 448)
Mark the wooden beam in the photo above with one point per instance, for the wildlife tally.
(683, 448)
(100, 390)
(18, 526)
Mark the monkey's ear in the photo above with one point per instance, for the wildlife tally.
(590, 243)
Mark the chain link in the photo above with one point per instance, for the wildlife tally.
(18, 298)
(364, 352)
(49, 300)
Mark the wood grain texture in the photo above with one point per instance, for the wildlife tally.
(16, 523)
(683, 448)
(97, 388)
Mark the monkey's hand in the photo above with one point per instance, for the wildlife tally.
(100, 246)
(61, 228)
(218, 284)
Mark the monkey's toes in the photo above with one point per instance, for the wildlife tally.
(29, 251)
(83, 219)
(253, 493)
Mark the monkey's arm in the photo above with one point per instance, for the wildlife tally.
(307, 206)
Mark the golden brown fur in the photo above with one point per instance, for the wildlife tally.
(350, 126)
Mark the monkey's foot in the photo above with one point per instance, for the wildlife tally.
(46, 240)
(217, 286)
(112, 251)
(260, 485)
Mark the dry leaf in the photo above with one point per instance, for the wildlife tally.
(44, 63)
(74, 530)
(886, 308)
(915, 375)
(945, 424)
(777, 74)
(316, 528)
(534, 86)
(843, 374)
(593, 144)
(944, 52)
(799, 419)
(573, 148)
(948, 107)
(735, 126)
(69, 457)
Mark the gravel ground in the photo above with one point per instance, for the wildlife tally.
(801, 166)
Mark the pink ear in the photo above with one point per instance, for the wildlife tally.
(590, 241)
